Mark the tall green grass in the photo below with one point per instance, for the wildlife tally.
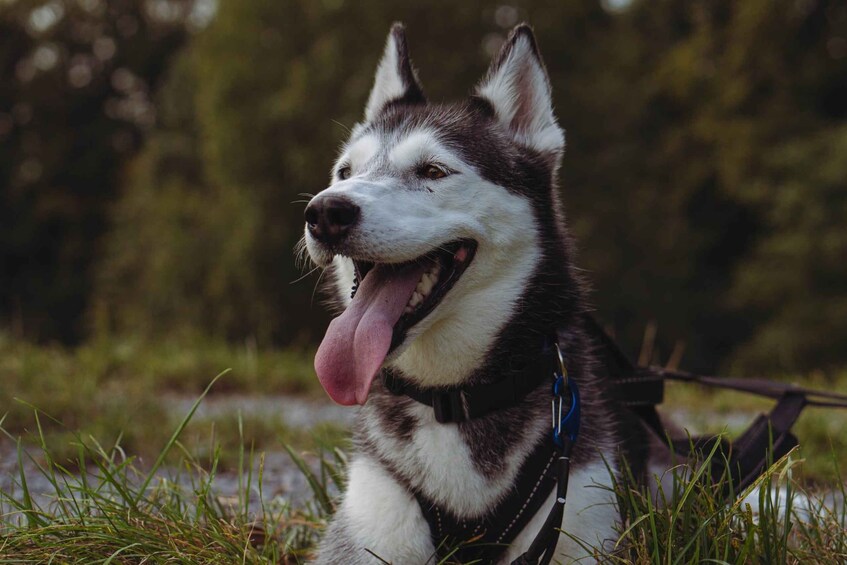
(90, 424)
(700, 520)
(107, 509)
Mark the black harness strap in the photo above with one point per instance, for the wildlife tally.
(485, 539)
(766, 440)
(633, 388)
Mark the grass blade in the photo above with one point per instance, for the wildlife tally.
(164, 453)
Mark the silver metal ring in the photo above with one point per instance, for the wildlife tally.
(562, 368)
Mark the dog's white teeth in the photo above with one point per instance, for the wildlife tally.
(427, 282)
(416, 299)
(422, 290)
(425, 285)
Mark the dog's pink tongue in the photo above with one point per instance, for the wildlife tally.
(358, 340)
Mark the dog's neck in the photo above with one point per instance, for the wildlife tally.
(480, 345)
(484, 454)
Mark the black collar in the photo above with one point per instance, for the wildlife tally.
(460, 404)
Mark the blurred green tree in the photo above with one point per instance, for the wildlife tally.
(75, 86)
(704, 175)
(793, 281)
(274, 87)
(726, 185)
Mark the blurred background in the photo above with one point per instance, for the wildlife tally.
(152, 154)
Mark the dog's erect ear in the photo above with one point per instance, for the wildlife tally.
(518, 90)
(395, 77)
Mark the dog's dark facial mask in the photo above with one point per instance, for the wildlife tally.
(358, 340)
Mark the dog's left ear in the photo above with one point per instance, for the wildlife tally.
(518, 89)
(395, 80)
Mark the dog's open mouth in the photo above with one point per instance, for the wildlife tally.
(388, 299)
(441, 269)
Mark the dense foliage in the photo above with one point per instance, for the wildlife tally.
(75, 100)
(704, 176)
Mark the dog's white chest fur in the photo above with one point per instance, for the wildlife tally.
(386, 518)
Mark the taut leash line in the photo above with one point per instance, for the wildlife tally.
(543, 547)
(565, 432)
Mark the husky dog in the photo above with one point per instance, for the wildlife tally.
(446, 223)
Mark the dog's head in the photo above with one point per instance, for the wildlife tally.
(431, 219)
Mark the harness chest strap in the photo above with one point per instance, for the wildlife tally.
(490, 535)
(487, 538)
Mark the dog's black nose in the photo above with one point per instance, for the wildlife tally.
(330, 218)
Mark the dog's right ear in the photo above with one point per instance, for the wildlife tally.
(395, 80)
(518, 90)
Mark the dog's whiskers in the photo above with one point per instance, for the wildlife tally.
(315, 290)
(346, 129)
(304, 276)
(301, 255)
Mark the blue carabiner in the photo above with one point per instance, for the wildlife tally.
(569, 422)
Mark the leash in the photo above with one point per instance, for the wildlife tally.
(759, 387)
(565, 432)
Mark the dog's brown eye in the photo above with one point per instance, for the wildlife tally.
(344, 172)
(433, 172)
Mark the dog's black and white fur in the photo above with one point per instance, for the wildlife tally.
(497, 154)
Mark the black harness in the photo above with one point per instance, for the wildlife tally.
(484, 540)
(640, 389)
